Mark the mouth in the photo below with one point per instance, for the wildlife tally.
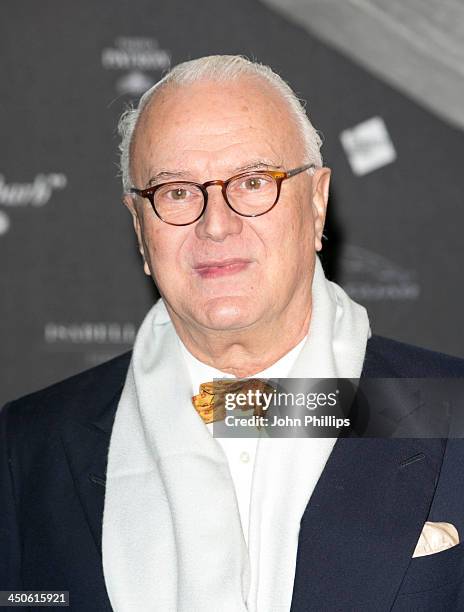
(214, 269)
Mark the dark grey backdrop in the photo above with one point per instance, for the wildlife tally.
(73, 291)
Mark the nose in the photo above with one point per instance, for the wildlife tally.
(218, 220)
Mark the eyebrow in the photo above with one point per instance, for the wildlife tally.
(167, 174)
(256, 164)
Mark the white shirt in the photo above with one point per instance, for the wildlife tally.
(240, 452)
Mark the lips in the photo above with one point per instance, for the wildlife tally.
(216, 268)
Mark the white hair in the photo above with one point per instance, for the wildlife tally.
(218, 68)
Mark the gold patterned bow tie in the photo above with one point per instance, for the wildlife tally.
(210, 402)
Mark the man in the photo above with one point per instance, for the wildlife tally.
(113, 487)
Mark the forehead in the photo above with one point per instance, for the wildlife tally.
(221, 120)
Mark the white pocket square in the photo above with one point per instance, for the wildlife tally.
(436, 537)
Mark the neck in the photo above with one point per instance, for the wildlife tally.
(245, 352)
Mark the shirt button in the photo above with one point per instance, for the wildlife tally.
(244, 457)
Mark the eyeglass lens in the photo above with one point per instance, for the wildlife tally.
(252, 194)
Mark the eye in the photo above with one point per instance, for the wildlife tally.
(178, 194)
(254, 183)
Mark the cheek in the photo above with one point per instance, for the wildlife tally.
(290, 246)
(293, 229)
(160, 249)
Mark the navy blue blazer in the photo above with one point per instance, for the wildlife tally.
(358, 532)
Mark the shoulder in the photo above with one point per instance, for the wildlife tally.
(79, 396)
(390, 358)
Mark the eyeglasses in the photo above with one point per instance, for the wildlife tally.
(249, 194)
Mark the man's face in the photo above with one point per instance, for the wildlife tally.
(208, 131)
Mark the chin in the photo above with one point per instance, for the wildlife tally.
(228, 313)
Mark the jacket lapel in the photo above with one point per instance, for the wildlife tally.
(366, 513)
(359, 530)
(86, 444)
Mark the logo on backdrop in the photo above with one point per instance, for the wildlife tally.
(37, 193)
(102, 332)
(366, 275)
(368, 146)
(96, 341)
(135, 56)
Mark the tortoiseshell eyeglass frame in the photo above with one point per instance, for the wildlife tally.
(277, 175)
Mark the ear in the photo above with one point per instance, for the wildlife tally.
(130, 203)
(320, 197)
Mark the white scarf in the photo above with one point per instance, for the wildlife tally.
(172, 539)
